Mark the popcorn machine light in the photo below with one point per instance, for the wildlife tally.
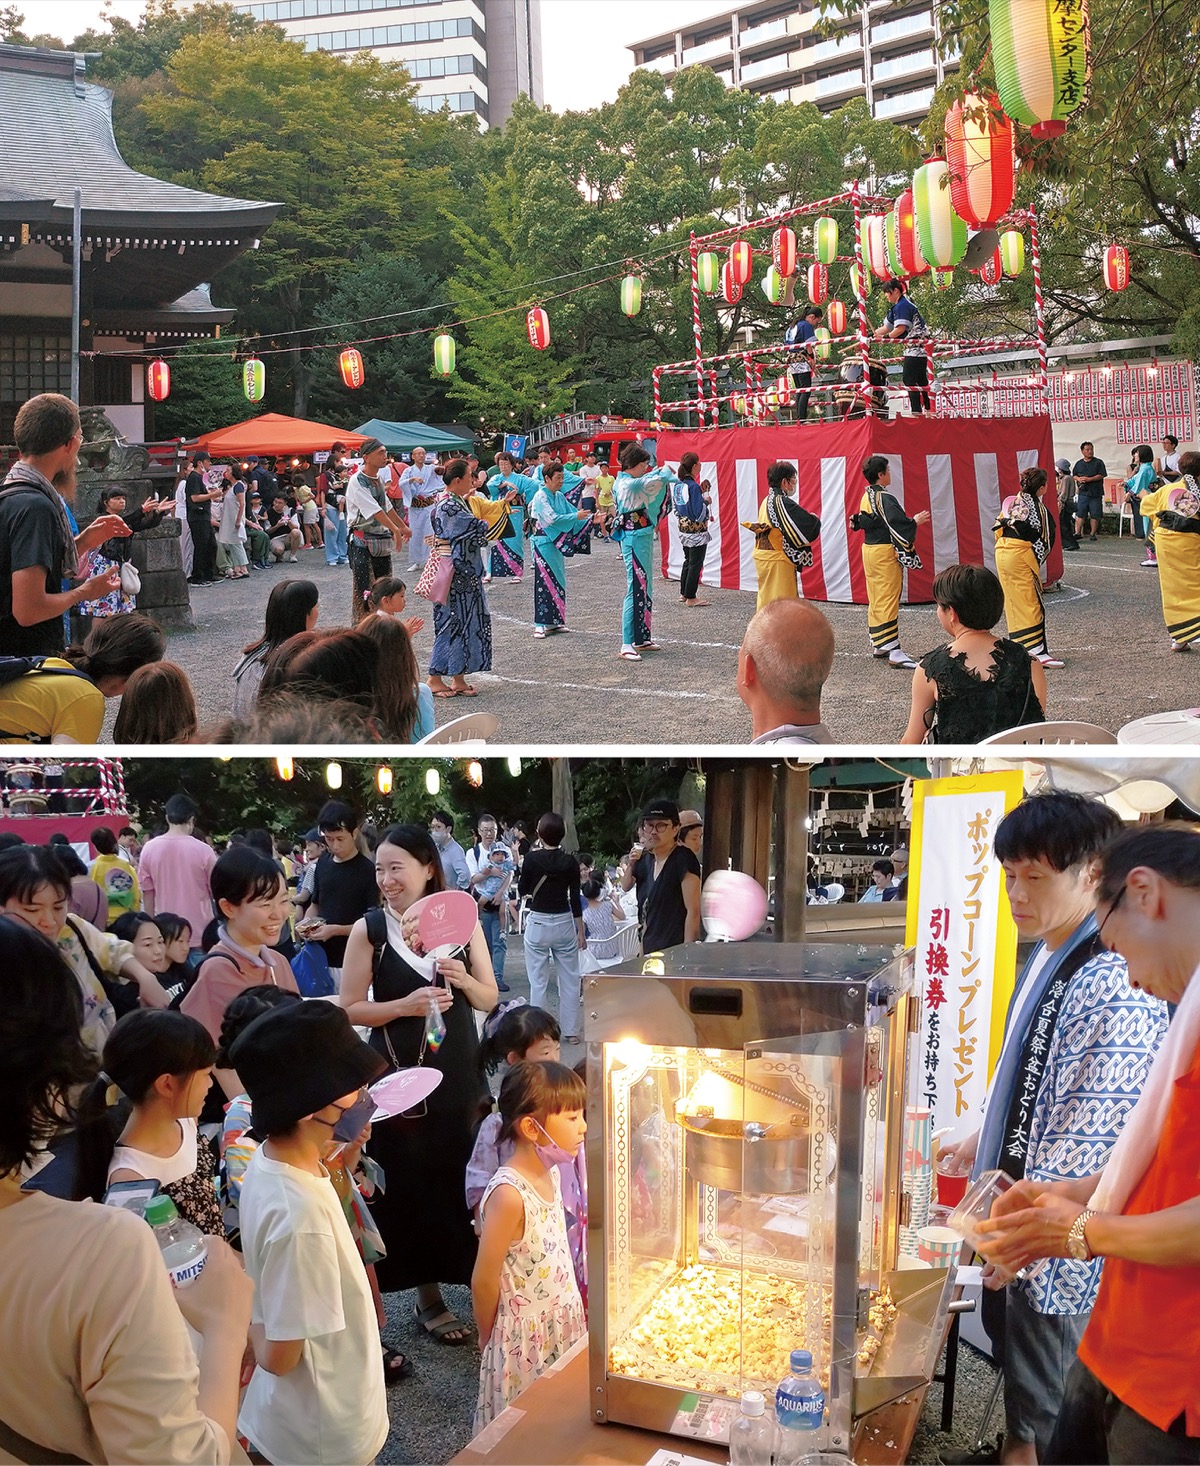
(745, 1169)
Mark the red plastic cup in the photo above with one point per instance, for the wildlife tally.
(951, 1185)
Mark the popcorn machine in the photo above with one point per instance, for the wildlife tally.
(746, 1179)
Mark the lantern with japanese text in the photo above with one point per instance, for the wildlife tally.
(631, 295)
(912, 260)
(741, 260)
(537, 326)
(708, 272)
(772, 285)
(1012, 251)
(943, 279)
(871, 242)
(825, 240)
(254, 379)
(1116, 267)
(1040, 56)
(982, 158)
(818, 283)
(836, 316)
(992, 269)
(158, 380)
(822, 349)
(783, 251)
(350, 364)
(443, 353)
(731, 286)
(941, 234)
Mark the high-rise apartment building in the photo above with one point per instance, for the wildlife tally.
(475, 56)
(886, 53)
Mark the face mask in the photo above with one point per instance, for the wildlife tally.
(440, 837)
(552, 1154)
(349, 1124)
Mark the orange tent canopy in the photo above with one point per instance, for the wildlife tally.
(277, 435)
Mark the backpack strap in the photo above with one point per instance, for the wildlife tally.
(376, 923)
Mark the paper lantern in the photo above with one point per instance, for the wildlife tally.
(992, 269)
(631, 295)
(912, 261)
(825, 240)
(708, 272)
(1012, 251)
(443, 353)
(383, 779)
(943, 279)
(731, 286)
(254, 379)
(537, 325)
(350, 364)
(871, 242)
(158, 380)
(1040, 57)
(741, 260)
(772, 285)
(1116, 267)
(981, 154)
(822, 349)
(785, 391)
(941, 234)
(738, 403)
(891, 246)
(783, 251)
(818, 283)
(836, 316)
(856, 283)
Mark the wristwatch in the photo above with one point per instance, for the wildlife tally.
(1077, 1243)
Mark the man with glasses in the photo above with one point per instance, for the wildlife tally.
(491, 869)
(667, 877)
(1078, 1044)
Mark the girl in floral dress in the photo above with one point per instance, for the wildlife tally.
(527, 1304)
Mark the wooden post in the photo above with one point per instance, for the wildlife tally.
(791, 853)
(740, 800)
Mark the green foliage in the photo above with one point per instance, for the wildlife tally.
(130, 50)
(206, 392)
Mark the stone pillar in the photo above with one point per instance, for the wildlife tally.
(164, 595)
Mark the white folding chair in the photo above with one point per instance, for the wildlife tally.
(470, 728)
(1034, 734)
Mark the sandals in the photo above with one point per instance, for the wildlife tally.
(438, 1331)
(396, 1366)
(628, 654)
(444, 691)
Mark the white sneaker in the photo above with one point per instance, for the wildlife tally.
(292, 560)
(898, 657)
(1151, 562)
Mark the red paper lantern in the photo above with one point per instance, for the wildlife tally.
(350, 364)
(818, 283)
(982, 160)
(992, 270)
(837, 317)
(537, 324)
(731, 286)
(1116, 267)
(158, 381)
(912, 261)
(741, 260)
(783, 251)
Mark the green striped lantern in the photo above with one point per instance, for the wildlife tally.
(254, 379)
(1012, 251)
(941, 234)
(943, 278)
(708, 272)
(1040, 54)
(631, 295)
(772, 285)
(443, 353)
(856, 283)
(891, 244)
(823, 349)
(825, 240)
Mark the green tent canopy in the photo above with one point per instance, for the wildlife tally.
(403, 437)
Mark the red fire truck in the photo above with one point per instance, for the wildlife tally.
(576, 433)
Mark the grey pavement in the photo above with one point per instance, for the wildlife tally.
(1106, 622)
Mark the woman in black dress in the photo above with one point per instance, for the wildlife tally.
(423, 1214)
(980, 684)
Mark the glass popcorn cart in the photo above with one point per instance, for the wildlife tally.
(746, 1184)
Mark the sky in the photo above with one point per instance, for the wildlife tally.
(584, 60)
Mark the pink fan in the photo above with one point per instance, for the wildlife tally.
(395, 1093)
(733, 905)
(445, 921)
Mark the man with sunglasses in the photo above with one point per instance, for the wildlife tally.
(667, 877)
(1078, 1044)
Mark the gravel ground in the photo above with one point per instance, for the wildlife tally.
(1106, 622)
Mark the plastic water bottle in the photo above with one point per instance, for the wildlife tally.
(752, 1434)
(184, 1247)
(799, 1410)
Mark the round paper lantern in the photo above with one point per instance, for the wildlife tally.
(1012, 251)
(943, 279)
(912, 261)
(836, 316)
(1040, 56)
(537, 326)
(822, 349)
(631, 295)
(871, 241)
(818, 283)
(254, 379)
(738, 403)
(891, 246)
(825, 240)
(733, 905)
(741, 260)
(783, 251)
(1116, 267)
(708, 272)
(785, 391)
(443, 353)
(992, 269)
(158, 380)
(772, 285)
(350, 364)
(856, 282)
(731, 286)
(981, 154)
(941, 234)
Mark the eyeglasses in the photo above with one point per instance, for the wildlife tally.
(657, 827)
(1120, 896)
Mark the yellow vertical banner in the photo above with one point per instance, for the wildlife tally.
(963, 934)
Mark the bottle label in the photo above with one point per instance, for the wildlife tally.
(189, 1271)
(799, 1412)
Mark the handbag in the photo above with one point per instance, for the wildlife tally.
(310, 968)
(436, 578)
(131, 581)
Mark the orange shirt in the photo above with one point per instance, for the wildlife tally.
(1143, 1340)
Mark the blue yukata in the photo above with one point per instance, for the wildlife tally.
(553, 520)
(508, 552)
(462, 628)
(574, 487)
(639, 503)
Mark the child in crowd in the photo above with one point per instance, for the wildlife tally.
(388, 596)
(318, 1393)
(138, 1118)
(527, 1305)
(600, 917)
(606, 504)
(178, 977)
(144, 934)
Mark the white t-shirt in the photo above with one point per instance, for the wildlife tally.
(163, 1169)
(310, 1284)
(361, 503)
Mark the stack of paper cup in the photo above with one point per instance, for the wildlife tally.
(939, 1246)
(918, 1164)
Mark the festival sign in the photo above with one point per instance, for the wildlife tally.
(965, 940)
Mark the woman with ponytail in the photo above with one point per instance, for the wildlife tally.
(1024, 537)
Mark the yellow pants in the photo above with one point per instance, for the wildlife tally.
(1021, 576)
(776, 578)
(884, 582)
(1179, 583)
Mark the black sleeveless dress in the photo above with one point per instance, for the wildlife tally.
(423, 1215)
(970, 707)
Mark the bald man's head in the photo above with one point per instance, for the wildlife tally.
(791, 646)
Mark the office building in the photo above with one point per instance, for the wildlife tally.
(474, 56)
(886, 53)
